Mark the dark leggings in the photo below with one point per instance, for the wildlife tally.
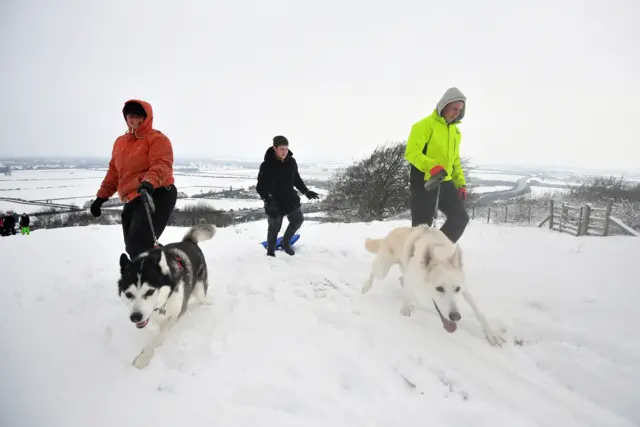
(135, 224)
(295, 218)
(423, 203)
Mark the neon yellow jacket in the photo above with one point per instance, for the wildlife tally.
(434, 142)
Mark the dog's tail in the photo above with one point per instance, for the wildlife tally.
(373, 245)
(200, 233)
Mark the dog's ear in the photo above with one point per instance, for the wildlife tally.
(428, 257)
(124, 261)
(456, 258)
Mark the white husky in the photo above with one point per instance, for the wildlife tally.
(432, 273)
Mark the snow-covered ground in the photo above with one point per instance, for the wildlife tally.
(223, 204)
(497, 176)
(490, 189)
(547, 191)
(77, 186)
(291, 341)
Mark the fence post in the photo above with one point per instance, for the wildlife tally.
(586, 213)
(580, 219)
(488, 214)
(607, 214)
(563, 217)
(473, 212)
(529, 213)
(550, 214)
(505, 213)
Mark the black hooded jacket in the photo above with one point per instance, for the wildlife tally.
(277, 180)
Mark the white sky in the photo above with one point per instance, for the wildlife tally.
(548, 82)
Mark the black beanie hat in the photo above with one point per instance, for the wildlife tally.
(280, 141)
(134, 108)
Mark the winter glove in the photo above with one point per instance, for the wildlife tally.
(438, 174)
(146, 185)
(462, 193)
(270, 208)
(311, 194)
(95, 206)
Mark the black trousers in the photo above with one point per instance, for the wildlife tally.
(423, 204)
(295, 219)
(135, 224)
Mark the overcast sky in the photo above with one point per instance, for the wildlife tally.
(548, 82)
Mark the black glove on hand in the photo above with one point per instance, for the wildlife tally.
(311, 194)
(270, 208)
(146, 185)
(95, 207)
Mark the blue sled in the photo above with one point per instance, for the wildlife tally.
(279, 241)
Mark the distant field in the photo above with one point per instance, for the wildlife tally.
(77, 186)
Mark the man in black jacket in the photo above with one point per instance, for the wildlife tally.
(276, 181)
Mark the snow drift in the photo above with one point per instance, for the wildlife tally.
(291, 341)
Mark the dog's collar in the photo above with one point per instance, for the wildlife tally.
(178, 259)
(180, 262)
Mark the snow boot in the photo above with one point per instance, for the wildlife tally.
(286, 241)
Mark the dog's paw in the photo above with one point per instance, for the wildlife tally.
(143, 359)
(494, 338)
(406, 310)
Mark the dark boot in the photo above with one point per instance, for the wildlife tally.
(271, 246)
(286, 246)
(272, 234)
(295, 221)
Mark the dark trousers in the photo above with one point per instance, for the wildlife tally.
(423, 203)
(295, 218)
(135, 224)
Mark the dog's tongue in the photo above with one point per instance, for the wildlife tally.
(142, 324)
(447, 324)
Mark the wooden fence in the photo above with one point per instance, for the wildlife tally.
(582, 220)
(579, 220)
(508, 213)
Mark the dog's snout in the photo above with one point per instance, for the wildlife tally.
(454, 316)
(136, 317)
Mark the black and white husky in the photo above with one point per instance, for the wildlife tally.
(158, 283)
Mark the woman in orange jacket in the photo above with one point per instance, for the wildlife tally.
(141, 159)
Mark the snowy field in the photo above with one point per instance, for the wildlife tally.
(223, 204)
(490, 189)
(548, 191)
(291, 341)
(496, 176)
(77, 186)
(229, 204)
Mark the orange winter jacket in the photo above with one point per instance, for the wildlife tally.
(143, 155)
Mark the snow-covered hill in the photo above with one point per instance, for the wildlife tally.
(293, 342)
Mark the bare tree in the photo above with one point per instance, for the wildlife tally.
(371, 189)
(375, 188)
(599, 188)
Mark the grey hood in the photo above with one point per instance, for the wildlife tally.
(452, 94)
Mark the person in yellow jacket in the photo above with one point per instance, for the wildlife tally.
(433, 152)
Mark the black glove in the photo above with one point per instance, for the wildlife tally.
(95, 207)
(311, 194)
(146, 185)
(270, 208)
